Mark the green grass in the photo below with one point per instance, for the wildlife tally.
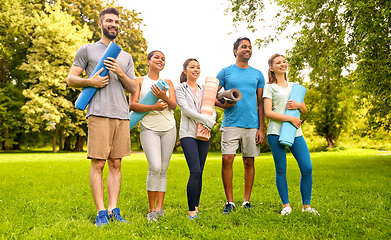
(47, 196)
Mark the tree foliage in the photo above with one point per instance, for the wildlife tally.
(38, 42)
(55, 42)
(345, 47)
(14, 41)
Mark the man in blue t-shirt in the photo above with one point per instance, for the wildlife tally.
(243, 121)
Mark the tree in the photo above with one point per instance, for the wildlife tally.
(321, 48)
(14, 41)
(55, 42)
(350, 35)
(130, 38)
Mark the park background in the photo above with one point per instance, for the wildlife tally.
(340, 50)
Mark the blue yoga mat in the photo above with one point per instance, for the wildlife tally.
(87, 93)
(148, 99)
(288, 131)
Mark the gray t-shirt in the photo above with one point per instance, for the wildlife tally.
(111, 100)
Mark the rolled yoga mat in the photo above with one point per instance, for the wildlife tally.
(87, 93)
(232, 95)
(208, 104)
(148, 99)
(288, 131)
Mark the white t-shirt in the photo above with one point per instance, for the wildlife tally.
(279, 96)
(156, 120)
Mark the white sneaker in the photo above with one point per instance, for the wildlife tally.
(152, 216)
(286, 211)
(310, 210)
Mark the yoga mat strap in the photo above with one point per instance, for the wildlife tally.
(148, 99)
(113, 50)
(288, 131)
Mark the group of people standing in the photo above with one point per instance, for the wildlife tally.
(243, 123)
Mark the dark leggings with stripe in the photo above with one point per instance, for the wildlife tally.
(195, 152)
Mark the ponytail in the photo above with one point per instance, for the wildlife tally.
(183, 77)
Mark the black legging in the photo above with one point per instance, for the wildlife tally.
(195, 153)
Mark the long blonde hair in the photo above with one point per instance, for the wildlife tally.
(270, 74)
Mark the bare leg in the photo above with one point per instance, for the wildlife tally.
(113, 183)
(249, 172)
(226, 174)
(96, 183)
(152, 195)
(159, 201)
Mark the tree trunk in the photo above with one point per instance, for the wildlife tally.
(79, 143)
(3, 76)
(330, 142)
(4, 144)
(61, 147)
(67, 144)
(54, 140)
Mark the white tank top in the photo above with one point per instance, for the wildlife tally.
(156, 120)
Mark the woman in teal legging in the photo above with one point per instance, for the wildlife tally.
(276, 94)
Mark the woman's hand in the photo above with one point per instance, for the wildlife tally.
(292, 105)
(160, 105)
(295, 121)
(157, 92)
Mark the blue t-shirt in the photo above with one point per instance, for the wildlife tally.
(245, 113)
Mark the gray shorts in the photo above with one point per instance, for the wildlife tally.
(231, 136)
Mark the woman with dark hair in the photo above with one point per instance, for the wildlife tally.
(157, 131)
(276, 101)
(189, 96)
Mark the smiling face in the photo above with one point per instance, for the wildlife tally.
(244, 50)
(192, 70)
(110, 25)
(279, 65)
(157, 61)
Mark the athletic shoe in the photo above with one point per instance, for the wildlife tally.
(310, 210)
(152, 216)
(115, 214)
(193, 217)
(246, 205)
(161, 213)
(286, 211)
(102, 218)
(228, 208)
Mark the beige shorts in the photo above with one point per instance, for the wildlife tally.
(231, 136)
(108, 138)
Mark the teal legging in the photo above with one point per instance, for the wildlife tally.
(300, 151)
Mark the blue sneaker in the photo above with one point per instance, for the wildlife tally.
(102, 218)
(193, 217)
(246, 205)
(115, 214)
(228, 208)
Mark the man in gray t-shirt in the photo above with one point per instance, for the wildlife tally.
(108, 113)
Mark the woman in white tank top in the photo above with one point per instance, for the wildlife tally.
(157, 131)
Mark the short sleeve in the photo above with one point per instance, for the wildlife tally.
(261, 82)
(81, 59)
(130, 69)
(221, 77)
(268, 91)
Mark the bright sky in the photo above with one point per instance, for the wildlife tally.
(184, 29)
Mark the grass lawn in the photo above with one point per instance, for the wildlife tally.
(47, 196)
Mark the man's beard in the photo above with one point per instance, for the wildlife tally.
(109, 35)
